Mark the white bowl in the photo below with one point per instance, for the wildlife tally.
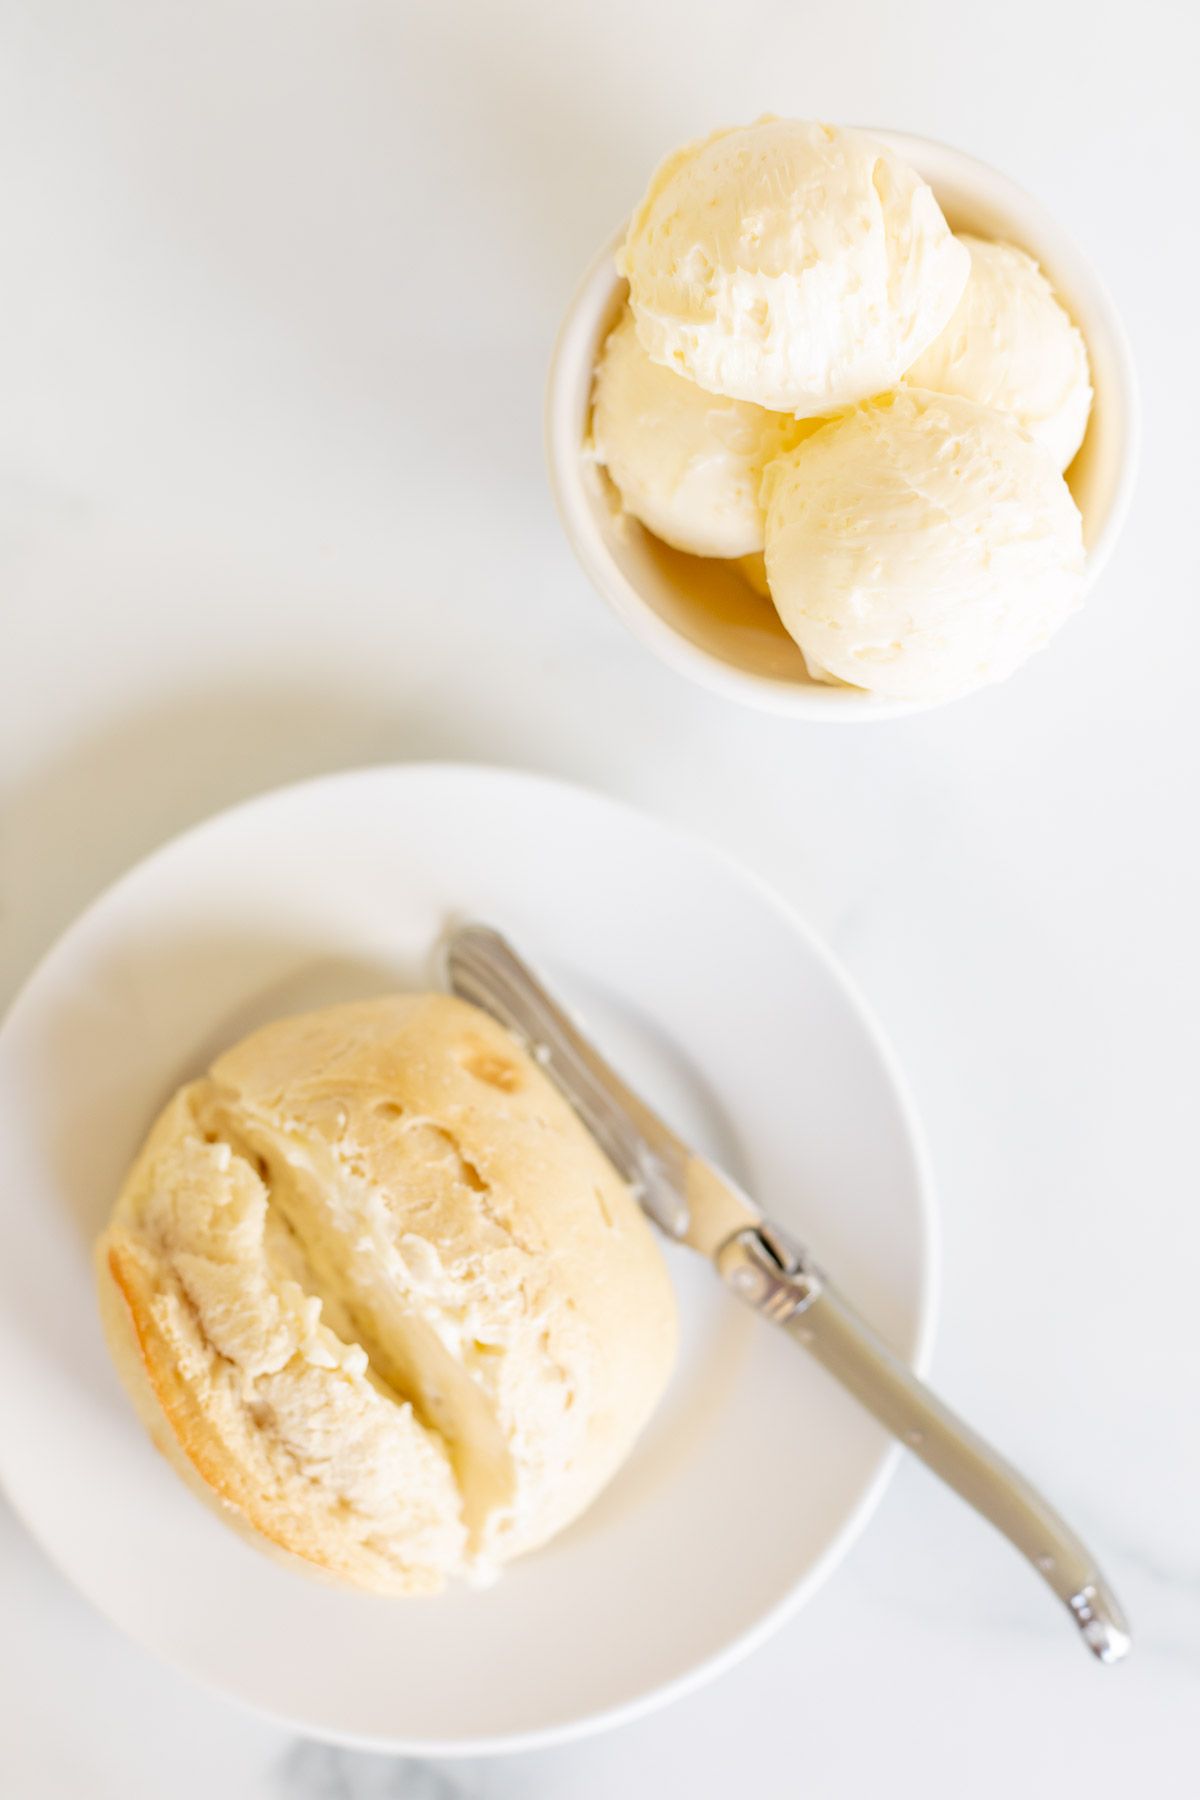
(700, 616)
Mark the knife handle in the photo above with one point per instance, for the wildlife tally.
(765, 1268)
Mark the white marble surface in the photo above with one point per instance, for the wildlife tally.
(278, 284)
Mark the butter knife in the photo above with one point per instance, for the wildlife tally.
(695, 1203)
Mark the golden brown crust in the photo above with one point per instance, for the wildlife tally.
(192, 1432)
(183, 1433)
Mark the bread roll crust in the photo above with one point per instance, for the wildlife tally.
(380, 1295)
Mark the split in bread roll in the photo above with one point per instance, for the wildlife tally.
(378, 1293)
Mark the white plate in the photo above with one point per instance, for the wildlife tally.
(755, 1476)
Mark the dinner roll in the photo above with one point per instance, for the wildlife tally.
(380, 1295)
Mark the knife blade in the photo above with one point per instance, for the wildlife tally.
(685, 1195)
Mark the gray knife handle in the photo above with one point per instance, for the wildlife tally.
(774, 1276)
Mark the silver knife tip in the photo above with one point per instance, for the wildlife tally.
(1101, 1623)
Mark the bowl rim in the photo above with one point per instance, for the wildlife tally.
(595, 293)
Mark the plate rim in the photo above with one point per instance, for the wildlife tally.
(928, 1298)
